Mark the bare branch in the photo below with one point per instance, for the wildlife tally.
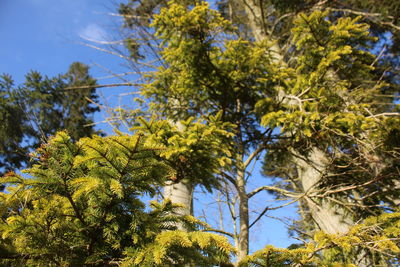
(259, 216)
(385, 114)
(272, 188)
(253, 155)
(328, 192)
(100, 86)
(229, 178)
(105, 50)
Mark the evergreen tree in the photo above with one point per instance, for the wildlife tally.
(196, 69)
(59, 103)
(82, 206)
(42, 106)
(272, 20)
(12, 127)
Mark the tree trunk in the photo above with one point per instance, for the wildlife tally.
(328, 217)
(255, 17)
(243, 241)
(180, 193)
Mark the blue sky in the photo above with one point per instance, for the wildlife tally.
(46, 35)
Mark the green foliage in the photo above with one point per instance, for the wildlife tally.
(205, 70)
(196, 150)
(324, 89)
(82, 202)
(320, 93)
(82, 205)
(378, 234)
(182, 247)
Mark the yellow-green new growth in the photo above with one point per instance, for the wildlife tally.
(82, 205)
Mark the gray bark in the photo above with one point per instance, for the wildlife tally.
(180, 193)
(328, 217)
(243, 240)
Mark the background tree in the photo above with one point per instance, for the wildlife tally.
(42, 106)
(12, 127)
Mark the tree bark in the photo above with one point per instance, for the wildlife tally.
(180, 193)
(311, 169)
(243, 241)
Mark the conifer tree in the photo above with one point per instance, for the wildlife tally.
(42, 106)
(82, 205)
(281, 15)
(12, 127)
(196, 70)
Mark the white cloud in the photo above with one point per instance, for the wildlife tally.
(93, 32)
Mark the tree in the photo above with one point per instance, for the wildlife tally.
(12, 127)
(42, 106)
(195, 70)
(282, 15)
(82, 205)
(63, 102)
